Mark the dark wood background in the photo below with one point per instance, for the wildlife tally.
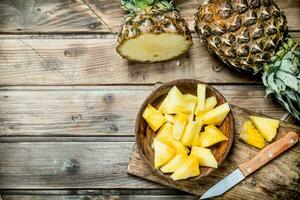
(68, 102)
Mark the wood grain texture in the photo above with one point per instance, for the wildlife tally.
(43, 16)
(113, 15)
(277, 180)
(97, 110)
(95, 61)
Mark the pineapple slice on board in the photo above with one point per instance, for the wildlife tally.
(205, 157)
(250, 135)
(163, 153)
(189, 168)
(192, 102)
(153, 117)
(210, 104)
(211, 136)
(266, 126)
(217, 115)
(180, 121)
(173, 164)
(191, 130)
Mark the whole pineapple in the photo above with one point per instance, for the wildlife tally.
(251, 35)
(153, 31)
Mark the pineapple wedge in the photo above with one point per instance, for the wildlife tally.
(251, 136)
(196, 141)
(169, 118)
(163, 153)
(173, 164)
(205, 157)
(217, 115)
(174, 103)
(180, 149)
(211, 136)
(210, 104)
(192, 128)
(266, 126)
(153, 117)
(189, 168)
(201, 92)
(180, 121)
(192, 102)
(165, 132)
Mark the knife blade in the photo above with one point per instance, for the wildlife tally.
(246, 168)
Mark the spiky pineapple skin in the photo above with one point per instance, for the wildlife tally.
(154, 21)
(244, 34)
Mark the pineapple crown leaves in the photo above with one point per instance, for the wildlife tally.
(282, 76)
(147, 5)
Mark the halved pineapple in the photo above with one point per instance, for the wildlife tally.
(210, 104)
(153, 117)
(192, 102)
(180, 121)
(211, 136)
(173, 164)
(250, 135)
(217, 115)
(266, 126)
(163, 153)
(189, 168)
(165, 132)
(174, 103)
(201, 93)
(169, 118)
(192, 128)
(205, 157)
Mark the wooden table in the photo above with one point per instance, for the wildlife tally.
(68, 102)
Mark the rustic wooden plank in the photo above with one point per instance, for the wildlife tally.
(20, 16)
(95, 61)
(276, 180)
(97, 110)
(113, 15)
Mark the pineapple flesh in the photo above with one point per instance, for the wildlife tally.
(180, 121)
(192, 102)
(189, 168)
(205, 157)
(266, 126)
(250, 135)
(165, 132)
(153, 31)
(217, 115)
(191, 130)
(201, 93)
(212, 135)
(153, 117)
(163, 153)
(174, 164)
(210, 104)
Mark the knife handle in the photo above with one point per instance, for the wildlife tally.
(268, 153)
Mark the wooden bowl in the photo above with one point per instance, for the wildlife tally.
(144, 134)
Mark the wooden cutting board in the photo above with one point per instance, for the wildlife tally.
(279, 179)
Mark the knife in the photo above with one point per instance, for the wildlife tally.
(246, 168)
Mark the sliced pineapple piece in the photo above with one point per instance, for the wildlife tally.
(205, 157)
(169, 118)
(250, 135)
(173, 164)
(180, 121)
(174, 103)
(192, 128)
(196, 141)
(192, 102)
(180, 149)
(163, 153)
(189, 168)
(211, 136)
(165, 132)
(210, 104)
(217, 115)
(266, 126)
(201, 93)
(153, 117)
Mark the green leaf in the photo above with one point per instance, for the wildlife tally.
(271, 82)
(288, 79)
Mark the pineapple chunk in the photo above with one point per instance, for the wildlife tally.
(192, 102)
(201, 92)
(165, 132)
(180, 149)
(189, 168)
(174, 103)
(163, 153)
(196, 141)
(173, 164)
(250, 135)
(180, 121)
(153, 117)
(169, 118)
(217, 115)
(266, 126)
(211, 136)
(210, 104)
(192, 128)
(205, 157)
